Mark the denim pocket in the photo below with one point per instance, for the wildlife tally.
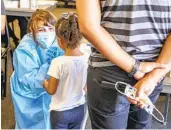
(105, 99)
(109, 93)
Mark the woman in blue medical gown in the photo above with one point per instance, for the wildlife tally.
(31, 61)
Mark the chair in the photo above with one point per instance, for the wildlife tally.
(4, 55)
(166, 92)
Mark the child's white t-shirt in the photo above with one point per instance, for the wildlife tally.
(72, 74)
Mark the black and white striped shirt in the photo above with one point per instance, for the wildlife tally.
(140, 27)
(2, 8)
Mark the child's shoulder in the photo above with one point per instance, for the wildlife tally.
(59, 59)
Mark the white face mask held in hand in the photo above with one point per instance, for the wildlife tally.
(129, 91)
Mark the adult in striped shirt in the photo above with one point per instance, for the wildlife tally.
(130, 43)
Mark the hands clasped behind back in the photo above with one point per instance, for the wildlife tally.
(147, 67)
(145, 85)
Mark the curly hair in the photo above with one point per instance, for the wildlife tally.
(68, 29)
(40, 16)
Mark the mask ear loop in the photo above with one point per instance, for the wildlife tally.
(161, 121)
(116, 87)
(54, 40)
(126, 89)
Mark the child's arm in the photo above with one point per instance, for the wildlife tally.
(85, 88)
(51, 85)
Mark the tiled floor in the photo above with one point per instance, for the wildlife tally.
(7, 113)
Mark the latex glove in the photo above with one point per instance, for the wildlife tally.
(53, 52)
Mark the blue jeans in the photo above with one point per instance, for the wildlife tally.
(108, 109)
(69, 119)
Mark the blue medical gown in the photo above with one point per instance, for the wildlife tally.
(31, 101)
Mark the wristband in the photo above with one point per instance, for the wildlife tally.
(134, 69)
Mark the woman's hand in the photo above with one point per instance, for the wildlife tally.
(146, 67)
(51, 54)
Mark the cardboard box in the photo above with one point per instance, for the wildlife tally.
(11, 4)
(25, 4)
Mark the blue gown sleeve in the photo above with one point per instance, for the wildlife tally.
(30, 71)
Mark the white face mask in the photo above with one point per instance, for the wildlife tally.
(46, 39)
(130, 92)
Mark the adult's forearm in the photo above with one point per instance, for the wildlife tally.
(165, 55)
(89, 17)
(107, 46)
(164, 58)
